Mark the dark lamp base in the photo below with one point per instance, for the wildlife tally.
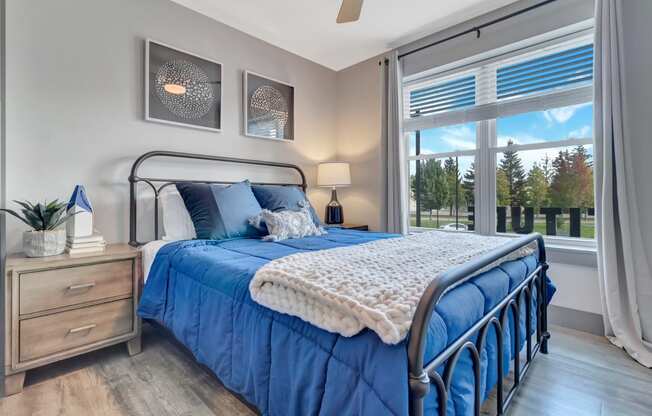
(334, 215)
(334, 211)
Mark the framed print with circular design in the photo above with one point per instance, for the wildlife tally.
(268, 108)
(182, 88)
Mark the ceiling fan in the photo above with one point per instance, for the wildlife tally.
(349, 11)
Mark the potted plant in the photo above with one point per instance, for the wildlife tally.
(46, 237)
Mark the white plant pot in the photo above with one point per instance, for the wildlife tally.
(44, 243)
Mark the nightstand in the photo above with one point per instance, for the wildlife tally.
(359, 227)
(61, 306)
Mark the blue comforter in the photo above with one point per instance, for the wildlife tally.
(285, 366)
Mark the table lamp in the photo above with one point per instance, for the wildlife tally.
(334, 174)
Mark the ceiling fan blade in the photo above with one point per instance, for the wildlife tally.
(349, 11)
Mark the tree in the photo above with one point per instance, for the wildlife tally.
(561, 186)
(536, 188)
(468, 184)
(548, 170)
(572, 183)
(583, 168)
(512, 167)
(502, 189)
(433, 187)
(453, 182)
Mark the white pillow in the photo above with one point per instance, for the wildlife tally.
(177, 224)
(282, 225)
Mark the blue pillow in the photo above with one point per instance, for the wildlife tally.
(220, 212)
(279, 197)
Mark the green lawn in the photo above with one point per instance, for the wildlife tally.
(587, 228)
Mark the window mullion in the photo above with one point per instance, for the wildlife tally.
(544, 145)
(485, 178)
(443, 155)
(490, 212)
(485, 167)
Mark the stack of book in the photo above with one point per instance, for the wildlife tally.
(82, 245)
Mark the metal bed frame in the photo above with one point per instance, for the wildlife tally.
(421, 375)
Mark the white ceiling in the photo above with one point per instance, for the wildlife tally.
(308, 29)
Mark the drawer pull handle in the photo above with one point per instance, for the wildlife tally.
(82, 328)
(82, 286)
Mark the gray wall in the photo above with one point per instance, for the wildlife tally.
(358, 141)
(75, 93)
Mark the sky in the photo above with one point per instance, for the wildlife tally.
(542, 126)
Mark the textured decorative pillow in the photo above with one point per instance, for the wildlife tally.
(220, 212)
(286, 224)
(279, 197)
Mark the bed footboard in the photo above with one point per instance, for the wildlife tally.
(423, 375)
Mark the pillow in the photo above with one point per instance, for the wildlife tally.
(286, 224)
(279, 197)
(177, 224)
(220, 212)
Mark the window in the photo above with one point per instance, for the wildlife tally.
(440, 160)
(505, 144)
(544, 172)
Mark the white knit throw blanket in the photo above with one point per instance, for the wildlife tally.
(375, 285)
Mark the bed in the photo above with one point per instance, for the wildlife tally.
(467, 329)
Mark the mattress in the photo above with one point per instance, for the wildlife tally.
(285, 366)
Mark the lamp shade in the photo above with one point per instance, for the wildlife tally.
(333, 174)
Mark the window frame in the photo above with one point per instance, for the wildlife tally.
(486, 151)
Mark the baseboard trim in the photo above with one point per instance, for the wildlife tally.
(574, 319)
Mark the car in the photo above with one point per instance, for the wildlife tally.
(454, 227)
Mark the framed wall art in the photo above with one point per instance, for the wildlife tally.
(268, 107)
(182, 88)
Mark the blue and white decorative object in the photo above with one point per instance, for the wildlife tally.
(81, 224)
(82, 238)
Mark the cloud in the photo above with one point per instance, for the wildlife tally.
(459, 137)
(447, 139)
(581, 133)
(562, 114)
(458, 144)
(461, 131)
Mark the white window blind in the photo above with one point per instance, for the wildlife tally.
(446, 96)
(571, 67)
(548, 77)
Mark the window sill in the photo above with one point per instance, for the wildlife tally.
(574, 255)
(574, 252)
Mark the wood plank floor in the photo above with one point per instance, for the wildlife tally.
(582, 375)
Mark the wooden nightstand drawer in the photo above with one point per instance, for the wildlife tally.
(55, 288)
(61, 306)
(49, 334)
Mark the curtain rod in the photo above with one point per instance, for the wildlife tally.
(476, 29)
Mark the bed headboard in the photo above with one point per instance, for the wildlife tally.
(158, 184)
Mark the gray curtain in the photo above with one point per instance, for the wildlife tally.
(623, 264)
(396, 212)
